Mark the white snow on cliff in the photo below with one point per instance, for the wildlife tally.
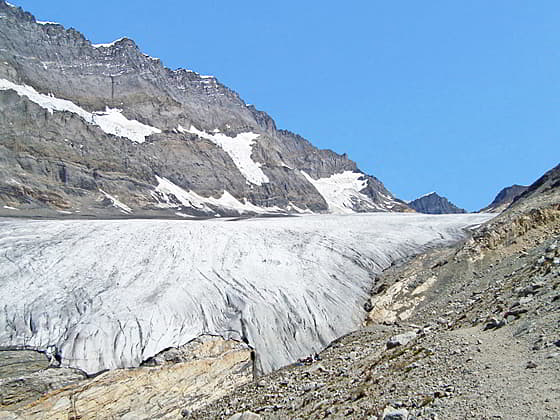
(239, 148)
(171, 195)
(116, 203)
(111, 121)
(341, 191)
(112, 293)
(107, 45)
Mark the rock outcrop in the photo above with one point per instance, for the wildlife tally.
(190, 376)
(89, 130)
(433, 203)
(504, 198)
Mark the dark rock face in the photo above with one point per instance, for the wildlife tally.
(504, 198)
(434, 204)
(543, 191)
(60, 157)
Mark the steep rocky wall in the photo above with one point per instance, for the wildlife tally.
(55, 159)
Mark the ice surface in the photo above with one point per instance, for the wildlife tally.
(341, 190)
(111, 121)
(112, 293)
(239, 148)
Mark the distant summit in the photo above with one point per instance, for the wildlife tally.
(504, 199)
(433, 203)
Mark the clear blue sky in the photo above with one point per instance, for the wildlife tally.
(458, 97)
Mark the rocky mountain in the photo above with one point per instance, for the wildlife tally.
(504, 198)
(107, 130)
(433, 203)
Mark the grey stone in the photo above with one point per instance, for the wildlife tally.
(495, 323)
(401, 339)
(531, 365)
(390, 413)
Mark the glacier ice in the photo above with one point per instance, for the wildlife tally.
(112, 293)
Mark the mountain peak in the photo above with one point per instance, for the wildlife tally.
(504, 198)
(433, 203)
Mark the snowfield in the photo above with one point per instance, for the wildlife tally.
(112, 293)
(111, 121)
(341, 190)
(239, 148)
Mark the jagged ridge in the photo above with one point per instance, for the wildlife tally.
(60, 160)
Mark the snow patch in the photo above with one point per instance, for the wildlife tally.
(108, 45)
(425, 195)
(342, 190)
(121, 206)
(149, 57)
(10, 208)
(239, 148)
(40, 22)
(171, 195)
(293, 207)
(111, 121)
(186, 216)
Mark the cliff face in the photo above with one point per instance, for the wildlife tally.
(504, 198)
(107, 130)
(434, 204)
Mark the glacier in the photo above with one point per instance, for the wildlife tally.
(106, 294)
